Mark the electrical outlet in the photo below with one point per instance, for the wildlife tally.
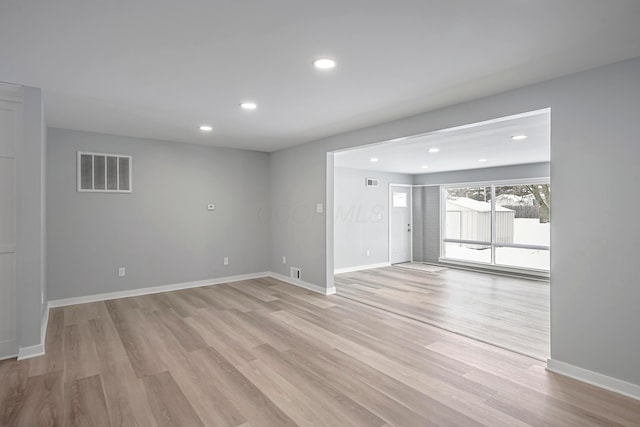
(284, 259)
(121, 272)
(296, 273)
(368, 252)
(225, 261)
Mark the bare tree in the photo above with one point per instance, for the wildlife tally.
(540, 193)
(543, 198)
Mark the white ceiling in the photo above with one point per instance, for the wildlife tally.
(160, 68)
(460, 148)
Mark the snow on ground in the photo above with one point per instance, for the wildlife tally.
(526, 231)
(530, 231)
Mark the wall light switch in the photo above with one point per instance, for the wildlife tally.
(211, 207)
(225, 261)
(319, 208)
(284, 259)
(121, 272)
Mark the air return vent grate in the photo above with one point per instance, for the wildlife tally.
(372, 182)
(104, 173)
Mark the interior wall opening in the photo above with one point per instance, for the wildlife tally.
(474, 203)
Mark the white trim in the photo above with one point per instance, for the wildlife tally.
(590, 377)
(29, 352)
(187, 285)
(153, 290)
(11, 100)
(527, 273)
(38, 349)
(361, 267)
(105, 155)
(303, 284)
(450, 129)
(45, 325)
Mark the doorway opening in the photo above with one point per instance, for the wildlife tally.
(456, 230)
(400, 224)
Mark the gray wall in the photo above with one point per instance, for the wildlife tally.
(297, 231)
(426, 224)
(31, 227)
(594, 291)
(162, 232)
(361, 216)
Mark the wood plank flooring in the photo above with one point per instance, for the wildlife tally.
(264, 353)
(509, 312)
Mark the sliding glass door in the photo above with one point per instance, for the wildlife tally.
(505, 225)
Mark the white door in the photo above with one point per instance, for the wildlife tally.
(399, 224)
(9, 128)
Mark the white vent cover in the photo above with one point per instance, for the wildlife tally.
(372, 182)
(104, 173)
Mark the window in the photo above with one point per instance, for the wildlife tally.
(511, 229)
(399, 200)
(104, 173)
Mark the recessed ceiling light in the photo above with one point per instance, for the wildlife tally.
(324, 63)
(434, 150)
(374, 159)
(519, 137)
(482, 160)
(424, 167)
(248, 105)
(206, 128)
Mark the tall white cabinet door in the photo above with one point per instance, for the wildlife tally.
(9, 133)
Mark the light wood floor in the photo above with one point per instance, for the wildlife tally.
(263, 353)
(509, 312)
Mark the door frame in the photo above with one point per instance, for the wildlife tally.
(11, 100)
(410, 206)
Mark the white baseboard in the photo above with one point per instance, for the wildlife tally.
(38, 349)
(599, 380)
(177, 286)
(360, 268)
(303, 284)
(153, 290)
(29, 352)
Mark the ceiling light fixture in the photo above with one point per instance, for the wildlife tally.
(434, 150)
(206, 128)
(248, 105)
(424, 167)
(519, 137)
(324, 63)
(374, 159)
(482, 160)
